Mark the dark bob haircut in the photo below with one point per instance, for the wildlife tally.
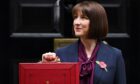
(97, 16)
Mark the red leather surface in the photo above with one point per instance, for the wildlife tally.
(49, 73)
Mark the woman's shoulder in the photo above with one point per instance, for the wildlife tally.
(111, 51)
(111, 48)
(68, 53)
(68, 47)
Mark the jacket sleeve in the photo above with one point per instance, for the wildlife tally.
(120, 75)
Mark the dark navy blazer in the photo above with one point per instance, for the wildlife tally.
(110, 55)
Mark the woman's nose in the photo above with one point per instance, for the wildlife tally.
(77, 21)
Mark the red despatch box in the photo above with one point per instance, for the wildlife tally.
(49, 73)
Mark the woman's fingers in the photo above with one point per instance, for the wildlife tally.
(50, 57)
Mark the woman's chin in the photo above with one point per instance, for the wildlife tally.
(78, 35)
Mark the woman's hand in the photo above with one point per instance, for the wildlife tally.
(49, 57)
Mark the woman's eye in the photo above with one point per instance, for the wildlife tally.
(84, 17)
(74, 17)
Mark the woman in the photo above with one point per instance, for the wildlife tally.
(99, 63)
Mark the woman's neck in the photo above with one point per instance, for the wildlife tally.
(89, 45)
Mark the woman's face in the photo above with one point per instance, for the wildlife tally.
(81, 24)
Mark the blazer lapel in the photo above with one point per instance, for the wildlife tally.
(101, 56)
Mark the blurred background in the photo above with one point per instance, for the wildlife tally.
(28, 29)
